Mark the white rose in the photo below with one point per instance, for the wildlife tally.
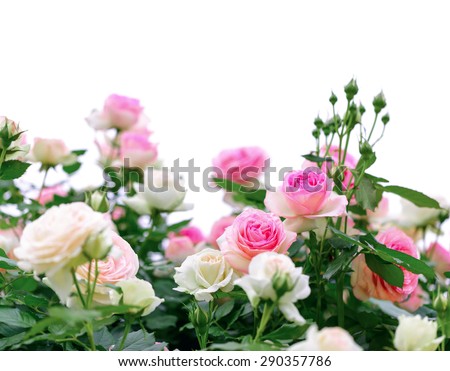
(9, 239)
(98, 121)
(53, 243)
(327, 339)
(415, 217)
(274, 277)
(203, 274)
(416, 333)
(51, 152)
(160, 191)
(139, 293)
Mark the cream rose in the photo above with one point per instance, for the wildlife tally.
(327, 339)
(274, 277)
(203, 274)
(139, 293)
(51, 152)
(53, 243)
(416, 333)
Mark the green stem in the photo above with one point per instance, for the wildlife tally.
(125, 332)
(373, 126)
(2, 157)
(77, 286)
(90, 334)
(267, 312)
(340, 298)
(94, 283)
(43, 182)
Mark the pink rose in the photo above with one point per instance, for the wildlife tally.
(179, 248)
(121, 264)
(305, 195)
(252, 233)
(349, 162)
(367, 284)
(117, 213)
(241, 165)
(193, 233)
(122, 112)
(48, 194)
(415, 300)
(218, 229)
(137, 149)
(440, 256)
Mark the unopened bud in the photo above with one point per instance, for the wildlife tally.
(365, 149)
(351, 89)
(333, 99)
(318, 123)
(440, 304)
(379, 102)
(385, 119)
(97, 201)
(282, 283)
(316, 133)
(98, 245)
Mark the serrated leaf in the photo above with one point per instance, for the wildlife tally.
(5, 262)
(138, 341)
(224, 309)
(389, 272)
(287, 332)
(16, 317)
(13, 169)
(367, 195)
(177, 226)
(340, 262)
(314, 158)
(417, 198)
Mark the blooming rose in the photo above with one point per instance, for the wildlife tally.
(327, 339)
(241, 165)
(137, 149)
(51, 152)
(417, 217)
(119, 112)
(252, 233)
(53, 243)
(193, 233)
(274, 277)
(417, 298)
(368, 284)
(179, 248)
(440, 256)
(203, 274)
(218, 229)
(139, 293)
(160, 191)
(416, 333)
(304, 196)
(9, 240)
(48, 194)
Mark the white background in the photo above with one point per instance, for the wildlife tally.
(221, 74)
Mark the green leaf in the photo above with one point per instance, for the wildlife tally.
(447, 274)
(16, 317)
(103, 338)
(342, 261)
(13, 169)
(5, 262)
(417, 198)
(346, 238)
(177, 226)
(254, 197)
(376, 179)
(314, 158)
(79, 152)
(224, 309)
(73, 316)
(287, 332)
(140, 340)
(397, 257)
(7, 342)
(389, 272)
(367, 195)
(70, 169)
(160, 321)
(295, 247)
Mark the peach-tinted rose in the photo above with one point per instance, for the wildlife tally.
(121, 264)
(136, 150)
(440, 256)
(51, 152)
(367, 284)
(218, 229)
(254, 232)
(305, 195)
(241, 164)
(194, 233)
(48, 194)
(179, 248)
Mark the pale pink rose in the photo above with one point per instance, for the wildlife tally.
(51, 152)
(179, 248)
(9, 240)
(379, 215)
(241, 165)
(194, 233)
(48, 194)
(121, 264)
(118, 213)
(252, 233)
(305, 195)
(108, 154)
(440, 256)
(122, 112)
(137, 149)
(367, 284)
(218, 229)
(417, 298)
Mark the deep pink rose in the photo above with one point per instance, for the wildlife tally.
(254, 232)
(193, 233)
(48, 194)
(218, 228)
(367, 284)
(440, 256)
(122, 112)
(179, 248)
(121, 264)
(241, 165)
(136, 148)
(305, 195)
